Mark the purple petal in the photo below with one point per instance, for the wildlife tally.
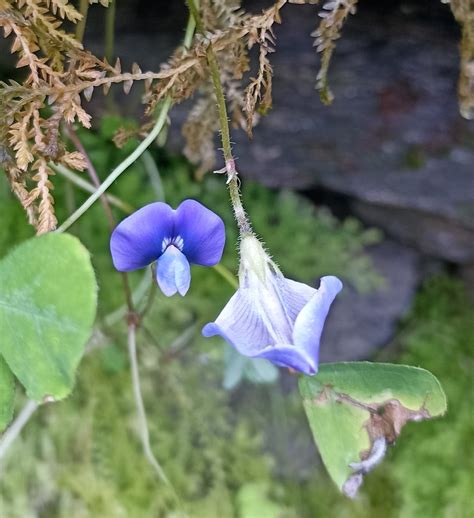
(173, 272)
(137, 240)
(202, 231)
(310, 322)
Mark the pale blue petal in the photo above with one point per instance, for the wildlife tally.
(240, 324)
(202, 231)
(310, 322)
(252, 321)
(290, 356)
(137, 240)
(294, 295)
(173, 272)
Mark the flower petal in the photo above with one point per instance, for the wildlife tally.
(310, 322)
(137, 240)
(290, 356)
(173, 272)
(240, 324)
(295, 296)
(202, 231)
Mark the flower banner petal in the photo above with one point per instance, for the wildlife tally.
(173, 272)
(137, 240)
(203, 233)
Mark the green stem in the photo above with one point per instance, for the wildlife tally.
(226, 274)
(142, 419)
(154, 175)
(87, 186)
(81, 26)
(120, 168)
(13, 431)
(232, 174)
(110, 31)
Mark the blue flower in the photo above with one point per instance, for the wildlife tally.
(273, 317)
(191, 234)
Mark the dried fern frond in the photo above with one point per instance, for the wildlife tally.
(220, 14)
(258, 94)
(46, 219)
(226, 22)
(334, 14)
(463, 11)
(34, 27)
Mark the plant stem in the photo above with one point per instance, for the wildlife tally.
(142, 420)
(154, 175)
(81, 25)
(227, 275)
(232, 174)
(16, 427)
(110, 31)
(87, 186)
(107, 209)
(120, 168)
(92, 174)
(151, 295)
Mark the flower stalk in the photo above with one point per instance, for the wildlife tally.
(241, 218)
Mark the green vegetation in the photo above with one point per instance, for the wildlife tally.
(227, 453)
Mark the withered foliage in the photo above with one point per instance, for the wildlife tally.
(334, 13)
(60, 75)
(463, 11)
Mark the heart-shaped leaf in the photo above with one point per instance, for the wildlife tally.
(356, 409)
(48, 299)
(7, 394)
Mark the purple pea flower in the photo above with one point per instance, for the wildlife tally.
(273, 317)
(191, 234)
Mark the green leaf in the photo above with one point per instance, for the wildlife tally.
(7, 394)
(48, 302)
(356, 409)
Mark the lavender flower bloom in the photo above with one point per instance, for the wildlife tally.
(175, 238)
(273, 317)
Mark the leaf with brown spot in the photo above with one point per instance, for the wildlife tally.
(356, 409)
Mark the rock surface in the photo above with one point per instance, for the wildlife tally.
(358, 323)
(431, 208)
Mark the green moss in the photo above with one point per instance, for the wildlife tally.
(432, 465)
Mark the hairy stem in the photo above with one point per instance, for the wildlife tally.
(16, 427)
(232, 174)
